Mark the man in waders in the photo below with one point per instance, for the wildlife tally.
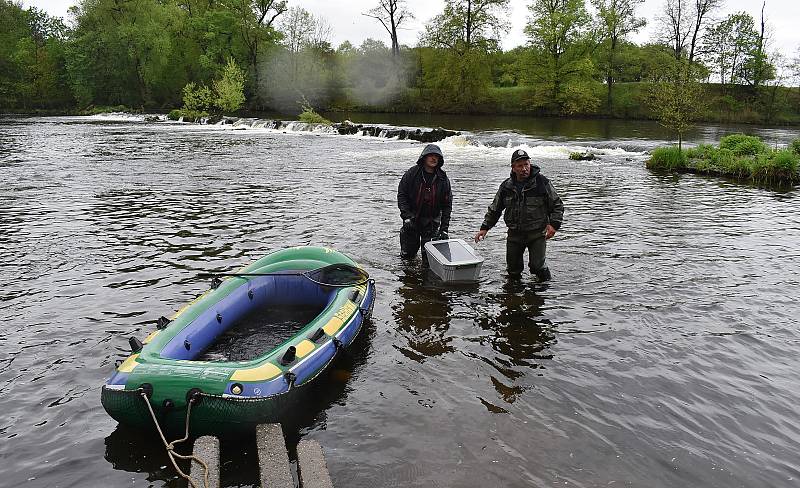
(425, 201)
(533, 214)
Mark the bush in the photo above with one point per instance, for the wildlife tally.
(786, 160)
(187, 115)
(667, 158)
(197, 97)
(229, 89)
(309, 116)
(795, 146)
(742, 145)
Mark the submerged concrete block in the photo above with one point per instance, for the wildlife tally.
(312, 466)
(206, 449)
(273, 460)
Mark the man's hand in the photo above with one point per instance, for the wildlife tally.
(408, 224)
(549, 231)
(482, 234)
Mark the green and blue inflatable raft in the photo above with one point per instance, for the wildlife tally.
(234, 395)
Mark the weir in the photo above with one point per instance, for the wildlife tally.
(345, 128)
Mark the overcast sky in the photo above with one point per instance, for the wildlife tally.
(348, 23)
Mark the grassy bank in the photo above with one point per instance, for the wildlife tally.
(725, 104)
(738, 156)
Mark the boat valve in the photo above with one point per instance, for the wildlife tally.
(168, 405)
(162, 323)
(237, 389)
(289, 355)
(136, 344)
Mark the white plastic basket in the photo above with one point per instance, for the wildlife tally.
(453, 260)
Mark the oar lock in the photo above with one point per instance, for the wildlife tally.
(136, 344)
(162, 323)
(215, 282)
(289, 355)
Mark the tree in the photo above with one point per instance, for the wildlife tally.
(729, 46)
(617, 20)
(391, 14)
(229, 88)
(702, 10)
(561, 42)
(675, 24)
(462, 36)
(256, 18)
(467, 24)
(677, 98)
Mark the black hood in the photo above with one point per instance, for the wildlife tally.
(431, 149)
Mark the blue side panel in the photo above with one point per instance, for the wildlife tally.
(283, 290)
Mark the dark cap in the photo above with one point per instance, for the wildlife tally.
(519, 154)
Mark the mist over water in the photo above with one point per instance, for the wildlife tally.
(663, 353)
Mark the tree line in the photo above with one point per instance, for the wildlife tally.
(265, 54)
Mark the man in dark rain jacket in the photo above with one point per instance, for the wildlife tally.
(425, 201)
(533, 214)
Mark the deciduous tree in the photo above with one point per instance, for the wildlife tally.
(617, 19)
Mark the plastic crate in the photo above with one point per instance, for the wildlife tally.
(453, 260)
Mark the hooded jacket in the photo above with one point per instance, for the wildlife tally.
(426, 203)
(531, 209)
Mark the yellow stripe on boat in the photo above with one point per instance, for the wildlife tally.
(264, 372)
(150, 337)
(128, 365)
(183, 309)
(304, 348)
(336, 322)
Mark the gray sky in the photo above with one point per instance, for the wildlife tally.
(348, 23)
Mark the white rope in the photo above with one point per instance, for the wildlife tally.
(171, 445)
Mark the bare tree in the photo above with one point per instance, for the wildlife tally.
(391, 14)
(676, 22)
(702, 10)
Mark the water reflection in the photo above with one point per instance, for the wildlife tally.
(422, 315)
(518, 331)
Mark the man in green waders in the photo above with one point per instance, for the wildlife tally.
(533, 214)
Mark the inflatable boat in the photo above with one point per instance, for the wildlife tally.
(165, 379)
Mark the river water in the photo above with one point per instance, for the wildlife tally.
(662, 354)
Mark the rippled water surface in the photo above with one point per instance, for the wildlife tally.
(663, 353)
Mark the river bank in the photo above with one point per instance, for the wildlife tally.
(767, 106)
(738, 156)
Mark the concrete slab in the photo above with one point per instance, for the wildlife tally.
(206, 449)
(273, 460)
(312, 466)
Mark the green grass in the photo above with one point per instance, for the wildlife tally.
(667, 159)
(739, 156)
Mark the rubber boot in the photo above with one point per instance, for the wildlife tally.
(543, 275)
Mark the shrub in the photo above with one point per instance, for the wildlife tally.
(742, 145)
(667, 158)
(197, 97)
(786, 160)
(309, 116)
(795, 146)
(229, 88)
(187, 115)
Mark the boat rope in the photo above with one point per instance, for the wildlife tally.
(171, 445)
